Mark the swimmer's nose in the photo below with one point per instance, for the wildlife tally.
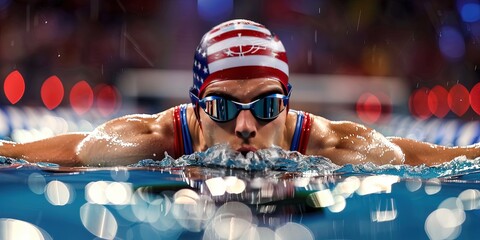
(245, 125)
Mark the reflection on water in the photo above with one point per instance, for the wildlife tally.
(17, 229)
(221, 203)
(204, 201)
(58, 193)
(98, 220)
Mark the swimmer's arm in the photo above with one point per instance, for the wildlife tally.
(128, 140)
(59, 149)
(346, 142)
(417, 152)
(120, 141)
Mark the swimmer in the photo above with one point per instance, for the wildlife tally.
(240, 96)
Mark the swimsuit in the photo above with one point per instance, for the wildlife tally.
(183, 140)
(302, 132)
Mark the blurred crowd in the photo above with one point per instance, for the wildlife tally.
(426, 43)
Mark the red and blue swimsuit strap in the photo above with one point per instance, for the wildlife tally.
(301, 134)
(177, 133)
(305, 135)
(182, 138)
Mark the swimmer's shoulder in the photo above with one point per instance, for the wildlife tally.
(158, 123)
(325, 133)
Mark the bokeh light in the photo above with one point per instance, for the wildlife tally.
(98, 220)
(14, 87)
(52, 92)
(216, 186)
(413, 184)
(322, 198)
(293, 230)
(120, 174)
(347, 187)
(469, 11)
(475, 98)
(37, 183)
(58, 193)
(433, 186)
(119, 193)
(445, 222)
(418, 103)
(451, 43)
(459, 99)
(192, 211)
(369, 108)
(339, 204)
(439, 224)
(437, 101)
(107, 192)
(215, 10)
(234, 185)
(140, 207)
(260, 233)
(17, 229)
(81, 97)
(377, 184)
(95, 192)
(470, 199)
(231, 220)
(107, 99)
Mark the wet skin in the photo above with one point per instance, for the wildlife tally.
(131, 138)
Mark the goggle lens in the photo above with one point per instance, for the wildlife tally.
(223, 110)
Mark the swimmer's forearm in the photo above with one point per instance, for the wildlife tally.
(60, 149)
(417, 153)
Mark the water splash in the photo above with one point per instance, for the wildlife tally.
(277, 159)
(458, 166)
(265, 159)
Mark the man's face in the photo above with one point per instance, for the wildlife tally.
(244, 133)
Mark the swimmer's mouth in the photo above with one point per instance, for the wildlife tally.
(245, 150)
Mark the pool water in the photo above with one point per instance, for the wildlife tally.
(217, 195)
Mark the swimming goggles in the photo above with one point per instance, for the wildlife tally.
(221, 109)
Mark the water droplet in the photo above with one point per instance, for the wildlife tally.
(359, 18)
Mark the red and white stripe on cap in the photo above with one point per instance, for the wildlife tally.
(242, 49)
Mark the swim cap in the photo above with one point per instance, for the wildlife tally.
(238, 49)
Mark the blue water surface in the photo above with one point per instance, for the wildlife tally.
(220, 194)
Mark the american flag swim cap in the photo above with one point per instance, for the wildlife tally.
(239, 49)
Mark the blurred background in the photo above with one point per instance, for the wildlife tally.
(406, 67)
